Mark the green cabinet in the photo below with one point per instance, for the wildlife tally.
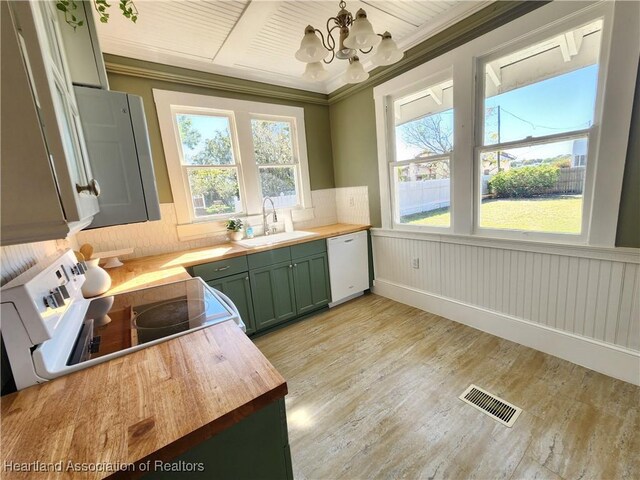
(273, 286)
(273, 294)
(238, 289)
(311, 279)
(257, 447)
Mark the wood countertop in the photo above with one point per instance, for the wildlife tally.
(153, 404)
(159, 269)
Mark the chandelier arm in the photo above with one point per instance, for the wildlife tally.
(333, 55)
(322, 38)
(332, 43)
(366, 51)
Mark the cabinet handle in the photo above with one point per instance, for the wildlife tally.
(221, 269)
(295, 264)
(246, 279)
(350, 240)
(290, 266)
(93, 187)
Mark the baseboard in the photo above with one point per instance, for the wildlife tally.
(605, 358)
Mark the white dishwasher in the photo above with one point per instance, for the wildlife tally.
(348, 266)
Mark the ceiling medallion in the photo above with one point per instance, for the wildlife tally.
(356, 35)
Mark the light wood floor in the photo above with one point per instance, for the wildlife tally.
(373, 393)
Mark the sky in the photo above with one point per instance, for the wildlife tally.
(556, 105)
(559, 104)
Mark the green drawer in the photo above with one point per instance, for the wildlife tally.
(222, 268)
(270, 257)
(308, 248)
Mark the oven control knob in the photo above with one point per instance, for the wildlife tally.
(79, 269)
(58, 297)
(51, 301)
(62, 290)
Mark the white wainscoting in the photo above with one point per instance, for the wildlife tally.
(578, 303)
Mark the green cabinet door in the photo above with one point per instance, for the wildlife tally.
(311, 276)
(237, 288)
(273, 294)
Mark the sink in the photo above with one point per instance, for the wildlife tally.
(274, 239)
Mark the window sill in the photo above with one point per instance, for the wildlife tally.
(620, 254)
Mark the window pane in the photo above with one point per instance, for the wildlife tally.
(272, 142)
(544, 89)
(214, 191)
(279, 183)
(205, 140)
(537, 188)
(423, 193)
(424, 123)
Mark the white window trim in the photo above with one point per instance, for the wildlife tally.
(240, 113)
(616, 87)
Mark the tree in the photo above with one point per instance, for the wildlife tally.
(433, 135)
(272, 146)
(216, 151)
(272, 142)
(189, 136)
(216, 185)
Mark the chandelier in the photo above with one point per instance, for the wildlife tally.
(356, 35)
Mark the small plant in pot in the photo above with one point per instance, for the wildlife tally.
(234, 227)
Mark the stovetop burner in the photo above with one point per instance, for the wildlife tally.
(149, 315)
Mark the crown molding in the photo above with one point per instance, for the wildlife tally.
(217, 82)
(481, 22)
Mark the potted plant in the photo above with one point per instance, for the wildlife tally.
(234, 227)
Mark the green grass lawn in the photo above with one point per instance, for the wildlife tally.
(546, 214)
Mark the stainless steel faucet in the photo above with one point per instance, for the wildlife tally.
(265, 227)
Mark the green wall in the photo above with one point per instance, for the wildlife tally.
(628, 234)
(353, 137)
(316, 116)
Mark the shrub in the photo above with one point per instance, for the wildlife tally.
(220, 208)
(562, 163)
(524, 182)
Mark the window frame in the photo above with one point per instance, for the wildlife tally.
(609, 132)
(295, 154)
(591, 133)
(240, 112)
(438, 77)
(179, 110)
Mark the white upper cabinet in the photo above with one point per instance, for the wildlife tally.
(41, 131)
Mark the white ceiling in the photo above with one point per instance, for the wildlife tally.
(257, 39)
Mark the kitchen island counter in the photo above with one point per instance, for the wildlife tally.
(153, 404)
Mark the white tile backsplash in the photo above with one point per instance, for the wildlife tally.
(333, 205)
(352, 205)
(15, 259)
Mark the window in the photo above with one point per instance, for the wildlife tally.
(423, 147)
(209, 164)
(539, 106)
(277, 164)
(225, 156)
(531, 144)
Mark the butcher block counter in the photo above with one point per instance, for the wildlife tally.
(151, 405)
(160, 403)
(159, 269)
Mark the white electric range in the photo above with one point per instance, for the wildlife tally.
(49, 329)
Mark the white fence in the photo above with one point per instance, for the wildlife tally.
(423, 196)
(426, 195)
